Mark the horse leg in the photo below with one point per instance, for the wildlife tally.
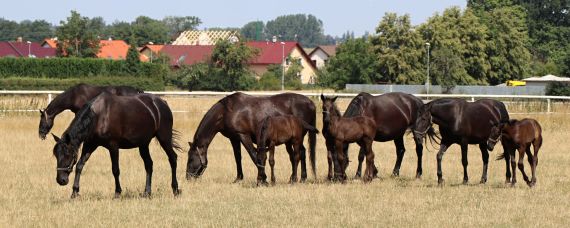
(522, 151)
(536, 144)
(272, 163)
(443, 147)
(167, 146)
(464, 162)
(361, 155)
(370, 167)
(85, 154)
(340, 168)
(531, 163)
(419, 153)
(261, 176)
(145, 155)
(114, 152)
(292, 155)
(302, 152)
(485, 157)
(400, 150)
(506, 154)
(237, 155)
(330, 151)
(297, 155)
(248, 144)
(514, 168)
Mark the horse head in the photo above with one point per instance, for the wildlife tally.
(66, 156)
(328, 107)
(197, 161)
(495, 135)
(423, 123)
(46, 123)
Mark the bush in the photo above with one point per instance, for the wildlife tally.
(558, 89)
(26, 83)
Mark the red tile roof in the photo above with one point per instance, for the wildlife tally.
(113, 49)
(155, 48)
(271, 53)
(21, 49)
(187, 54)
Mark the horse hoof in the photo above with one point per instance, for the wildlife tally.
(117, 195)
(146, 195)
(440, 182)
(237, 180)
(367, 179)
(74, 195)
(483, 181)
(465, 182)
(176, 192)
(418, 176)
(262, 183)
(395, 174)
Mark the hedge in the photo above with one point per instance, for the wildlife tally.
(27, 83)
(75, 68)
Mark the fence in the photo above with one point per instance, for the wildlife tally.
(436, 89)
(548, 100)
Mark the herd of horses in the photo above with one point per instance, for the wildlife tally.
(122, 117)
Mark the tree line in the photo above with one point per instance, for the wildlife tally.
(488, 43)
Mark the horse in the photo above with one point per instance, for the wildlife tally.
(518, 135)
(274, 131)
(117, 122)
(397, 112)
(343, 130)
(237, 117)
(74, 98)
(461, 122)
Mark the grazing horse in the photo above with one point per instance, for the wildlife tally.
(518, 135)
(397, 112)
(237, 117)
(117, 122)
(343, 130)
(274, 131)
(463, 123)
(74, 98)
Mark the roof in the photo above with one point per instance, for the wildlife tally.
(113, 49)
(187, 54)
(155, 48)
(547, 78)
(330, 50)
(273, 53)
(22, 49)
(196, 37)
(52, 42)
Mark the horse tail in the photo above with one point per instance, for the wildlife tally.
(312, 149)
(262, 134)
(308, 127)
(433, 137)
(501, 156)
(175, 139)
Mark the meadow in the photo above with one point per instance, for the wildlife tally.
(30, 195)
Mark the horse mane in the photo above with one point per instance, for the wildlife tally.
(355, 106)
(80, 127)
(205, 126)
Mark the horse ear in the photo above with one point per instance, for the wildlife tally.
(42, 112)
(334, 99)
(322, 97)
(57, 139)
(190, 144)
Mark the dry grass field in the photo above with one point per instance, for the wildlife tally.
(30, 195)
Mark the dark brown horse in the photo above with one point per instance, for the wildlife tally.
(463, 123)
(343, 130)
(274, 131)
(397, 112)
(518, 135)
(237, 117)
(117, 122)
(73, 99)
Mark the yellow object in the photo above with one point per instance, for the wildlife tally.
(515, 83)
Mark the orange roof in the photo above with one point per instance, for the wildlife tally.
(52, 43)
(155, 48)
(113, 49)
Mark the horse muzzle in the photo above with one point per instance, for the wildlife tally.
(62, 180)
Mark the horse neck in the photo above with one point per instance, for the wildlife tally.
(209, 126)
(334, 117)
(59, 104)
(80, 128)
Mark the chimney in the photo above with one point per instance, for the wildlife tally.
(19, 39)
(274, 39)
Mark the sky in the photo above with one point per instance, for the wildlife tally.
(338, 16)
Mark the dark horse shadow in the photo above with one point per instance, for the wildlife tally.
(117, 122)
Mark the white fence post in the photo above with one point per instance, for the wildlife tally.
(548, 105)
(49, 98)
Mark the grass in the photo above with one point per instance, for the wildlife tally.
(31, 197)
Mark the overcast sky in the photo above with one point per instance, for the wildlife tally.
(338, 16)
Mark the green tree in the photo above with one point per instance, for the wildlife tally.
(120, 30)
(400, 50)
(254, 30)
(8, 30)
(306, 29)
(36, 31)
(146, 30)
(76, 39)
(177, 25)
(355, 62)
(133, 57)
(231, 60)
(449, 68)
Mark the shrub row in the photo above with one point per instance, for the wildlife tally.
(27, 83)
(75, 68)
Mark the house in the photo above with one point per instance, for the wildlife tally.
(113, 49)
(545, 80)
(50, 42)
(284, 53)
(321, 54)
(196, 37)
(25, 49)
(150, 52)
(270, 53)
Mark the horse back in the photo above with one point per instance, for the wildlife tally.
(522, 131)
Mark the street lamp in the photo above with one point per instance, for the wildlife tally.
(29, 49)
(427, 80)
(283, 66)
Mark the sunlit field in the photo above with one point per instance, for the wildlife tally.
(30, 195)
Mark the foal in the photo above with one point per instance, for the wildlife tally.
(518, 135)
(274, 131)
(342, 130)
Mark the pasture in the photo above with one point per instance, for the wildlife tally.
(30, 195)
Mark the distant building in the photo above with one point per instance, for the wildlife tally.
(545, 80)
(113, 49)
(181, 55)
(321, 54)
(197, 37)
(150, 52)
(20, 48)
